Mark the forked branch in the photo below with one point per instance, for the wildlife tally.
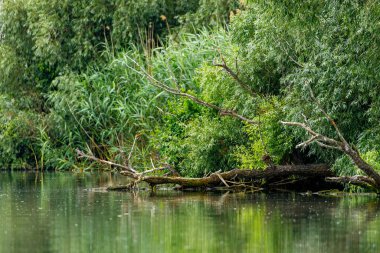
(126, 169)
(315, 137)
(234, 75)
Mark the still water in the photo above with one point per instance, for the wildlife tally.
(57, 212)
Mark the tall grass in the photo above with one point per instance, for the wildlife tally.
(103, 110)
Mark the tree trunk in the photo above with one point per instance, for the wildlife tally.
(272, 177)
(364, 166)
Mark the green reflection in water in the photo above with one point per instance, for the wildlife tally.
(55, 213)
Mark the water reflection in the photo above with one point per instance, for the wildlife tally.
(54, 213)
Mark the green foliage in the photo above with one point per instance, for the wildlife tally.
(286, 48)
(210, 13)
(53, 37)
(102, 111)
(209, 145)
(344, 166)
(18, 136)
(196, 141)
(69, 80)
(192, 137)
(49, 50)
(267, 138)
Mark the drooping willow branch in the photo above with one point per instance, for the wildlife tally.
(222, 111)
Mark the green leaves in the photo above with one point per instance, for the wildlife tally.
(62, 64)
(55, 65)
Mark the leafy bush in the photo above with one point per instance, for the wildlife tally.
(193, 138)
(267, 138)
(18, 134)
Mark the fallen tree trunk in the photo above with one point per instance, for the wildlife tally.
(296, 177)
(272, 177)
(243, 176)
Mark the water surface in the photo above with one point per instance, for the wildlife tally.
(57, 213)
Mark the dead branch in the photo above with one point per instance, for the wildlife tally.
(222, 111)
(328, 117)
(81, 154)
(154, 170)
(221, 179)
(133, 146)
(343, 146)
(125, 169)
(234, 75)
(315, 137)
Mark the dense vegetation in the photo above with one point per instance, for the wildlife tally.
(77, 75)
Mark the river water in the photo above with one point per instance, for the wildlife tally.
(61, 212)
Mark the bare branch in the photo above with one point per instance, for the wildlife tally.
(326, 142)
(131, 152)
(298, 124)
(221, 179)
(341, 145)
(307, 143)
(316, 137)
(152, 163)
(323, 145)
(153, 170)
(247, 178)
(236, 178)
(235, 76)
(93, 158)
